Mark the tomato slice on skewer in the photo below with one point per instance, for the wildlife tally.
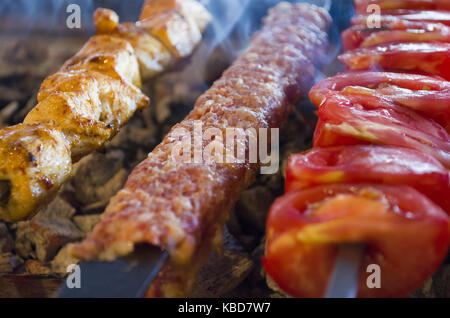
(372, 164)
(362, 6)
(394, 32)
(426, 94)
(357, 119)
(390, 16)
(405, 234)
(421, 58)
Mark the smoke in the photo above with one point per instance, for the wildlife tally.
(22, 17)
(234, 22)
(25, 17)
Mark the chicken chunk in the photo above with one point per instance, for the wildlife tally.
(35, 161)
(87, 106)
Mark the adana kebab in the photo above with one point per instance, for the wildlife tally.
(376, 184)
(90, 98)
(182, 206)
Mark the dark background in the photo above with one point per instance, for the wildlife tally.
(50, 15)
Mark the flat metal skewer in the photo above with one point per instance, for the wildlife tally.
(127, 277)
(344, 281)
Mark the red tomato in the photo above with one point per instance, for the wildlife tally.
(429, 95)
(409, 15)
(358, 119)
(405, 234)
(361, 6)
(423, 58)
(372, 164)
(394, 32)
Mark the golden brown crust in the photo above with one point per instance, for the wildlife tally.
(169, 30)
(87, 106)
(174, 31)
(193, 11)
(174, 204)
(108, 55)
(152, 55)
(35, 160)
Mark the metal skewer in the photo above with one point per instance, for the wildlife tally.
(344, 281)
(127, 277)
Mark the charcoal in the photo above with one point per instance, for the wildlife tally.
(242, 291)
(41, 238)
(258, 275)
(148, 116)
(112, 186)
(437, 286)
(163, 109)
(9, 263)
(175, 97)
(141, 155)
(63, 259)
(239, 230)
(132, 135)
(93, 208)
(6, 112)
(24, 243)
(294, 130)
(253, 206)
(34, 267)
(51, 235)
(219, 60)
(99, 177)
(277, 295)
(86, 222)
(225, 272)
(6, 240)
(441, 282)
(425, 291)
(30, 104)
(274, 182)
(250, 242)
(67, 191)
(40, 57)
(10, 95)
(58, 208)
(273, 286)
(233, 224)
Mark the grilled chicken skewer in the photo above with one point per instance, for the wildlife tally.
(94, 94)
